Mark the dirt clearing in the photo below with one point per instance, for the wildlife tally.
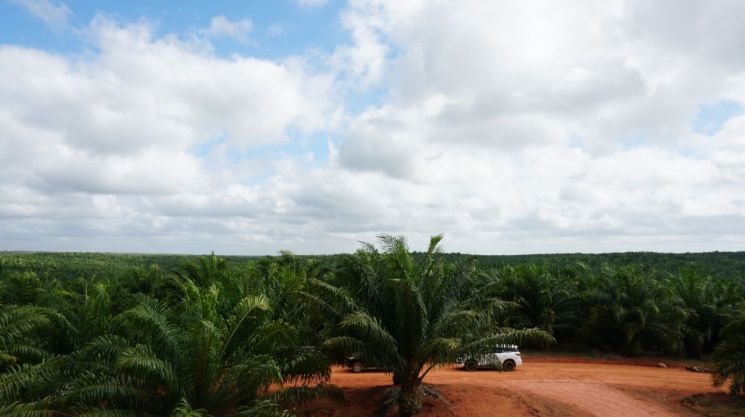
(537, 389)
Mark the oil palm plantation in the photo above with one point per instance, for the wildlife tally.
(413, 312)
(209, 351)
(199, 365)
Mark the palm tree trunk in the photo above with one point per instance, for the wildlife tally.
(409, 400)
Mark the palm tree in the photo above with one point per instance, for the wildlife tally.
(28, 366)
(629, 310)
(411, 314)
(22, 288)
(706, 301)
(543, 299)
(729, 355)
(21, 334)
(29, 336)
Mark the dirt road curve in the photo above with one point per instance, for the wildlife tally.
(593, 389)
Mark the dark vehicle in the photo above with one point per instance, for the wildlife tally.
(355, 364)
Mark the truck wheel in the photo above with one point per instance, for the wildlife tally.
(471, 365)
(357, 367)
(509, 365)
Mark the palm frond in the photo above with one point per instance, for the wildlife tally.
(105, 347)
(272, 336)
(246, 315)
(32, 409)
(337, 296)
(255, 373)
(310, 364)
(371, 330)
(344, 345)
(262, 408)
(22, 352)
(109, 412)
(412, 315)
(184, 409)
(440, 349)
(20, 378)
(533, 336)
(94, 389)
(18, 322)
(456, 320)
(150, 320)
(141, 361)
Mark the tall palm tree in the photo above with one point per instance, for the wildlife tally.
(729, 355)
(706, 301)
(411, 314)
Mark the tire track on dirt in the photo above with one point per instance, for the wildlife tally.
(596, 398)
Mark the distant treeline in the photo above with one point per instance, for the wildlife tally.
(729, 266)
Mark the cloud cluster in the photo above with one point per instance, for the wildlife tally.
(512, 127)
(103, 143)
(541, 127)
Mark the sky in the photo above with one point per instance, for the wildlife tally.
(247, 128)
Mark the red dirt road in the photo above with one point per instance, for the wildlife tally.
(581, 388)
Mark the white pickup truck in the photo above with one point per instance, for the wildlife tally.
(508, 356)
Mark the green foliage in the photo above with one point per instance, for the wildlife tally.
(411, 315)
(125, 335)
(629, 309)
(729, 355)
(204, 340)
(546, 298)
(706, 301)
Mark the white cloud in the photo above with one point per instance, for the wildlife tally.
(140, 93)
(362, 64)
(54, 14)
(99, 143)
(311, 3)
(515, 126)
(222, 27)
(555, 127)
(275, 30)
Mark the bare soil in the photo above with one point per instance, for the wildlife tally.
(460, 401)
(550, 389)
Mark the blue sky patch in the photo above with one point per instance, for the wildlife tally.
(712, 117)
(280, 28)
